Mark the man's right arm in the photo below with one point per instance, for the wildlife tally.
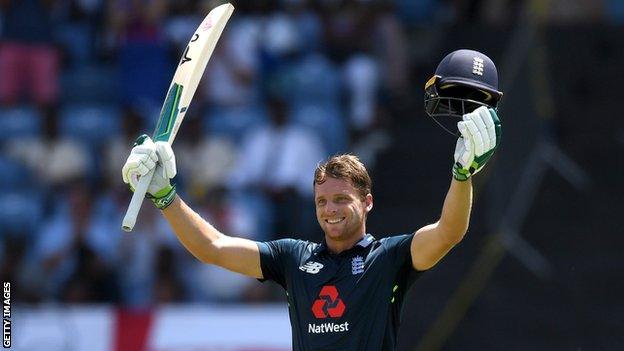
(209, 245)
(198, 236)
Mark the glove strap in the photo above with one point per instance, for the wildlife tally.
(140, 139)
(459, 173)
(163, 198)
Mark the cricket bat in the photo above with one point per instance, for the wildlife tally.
(181, 91)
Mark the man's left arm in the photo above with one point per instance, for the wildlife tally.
(481, 131)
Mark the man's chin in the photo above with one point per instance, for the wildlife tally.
(334, 234)
(339, 234)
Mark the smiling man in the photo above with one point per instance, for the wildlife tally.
(346, 292)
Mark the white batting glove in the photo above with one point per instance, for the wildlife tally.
(480, 135)
(145, 156)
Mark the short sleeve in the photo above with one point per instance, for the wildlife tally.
(400, 253)
(399, 247)
(274, 257)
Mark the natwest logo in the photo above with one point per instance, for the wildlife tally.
(328, 304)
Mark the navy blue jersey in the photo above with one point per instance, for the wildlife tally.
(350, 301)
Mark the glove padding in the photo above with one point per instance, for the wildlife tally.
(145, 156)
(480, 135)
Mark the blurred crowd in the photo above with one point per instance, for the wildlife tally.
(290, 83)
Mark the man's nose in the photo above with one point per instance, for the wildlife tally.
(331, 208)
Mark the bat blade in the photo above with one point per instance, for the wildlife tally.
(185, 81)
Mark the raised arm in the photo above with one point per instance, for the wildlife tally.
(480, 136)
(209, 245)
(198, 236)
(434, 241)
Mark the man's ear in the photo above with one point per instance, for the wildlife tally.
(369, 202)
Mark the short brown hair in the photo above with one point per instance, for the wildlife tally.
(345, 167)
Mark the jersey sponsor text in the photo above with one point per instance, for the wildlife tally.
(328, 328)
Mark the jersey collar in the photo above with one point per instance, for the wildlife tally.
(363, 243)
(366, 240)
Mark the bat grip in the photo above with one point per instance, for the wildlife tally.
(137, 199)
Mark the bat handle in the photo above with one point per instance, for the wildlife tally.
(137, 199)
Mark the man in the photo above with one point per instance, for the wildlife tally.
(346, 292)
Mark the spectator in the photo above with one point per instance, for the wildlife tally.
(135, 30)
(217, 155)
(392, 52)
(29, 60)
(13, 247)
(361, 75)
(78, 30)
(142, 269)
(167, 288)
(55, 159)
(349, 31)
(216, 284)
(278, 160)
(181, 22)
(231, 78)
(77, 249)
(114, 154)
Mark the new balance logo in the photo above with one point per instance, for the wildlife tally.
(357, 265)
(311, 267)
(477, 66)
(329, 304)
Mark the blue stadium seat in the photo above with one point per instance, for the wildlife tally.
(20, 122)
(234, 122)
(316, 81)
(21, 212)
(326, 121)
(14, 175)
(76, 40)
(259, 207)
(90, 123)
(615, 11)
(90, 84)
(412, 12)
(145, 71)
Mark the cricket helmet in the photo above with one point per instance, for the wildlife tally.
(463, 81)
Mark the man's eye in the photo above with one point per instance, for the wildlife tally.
(321, 202)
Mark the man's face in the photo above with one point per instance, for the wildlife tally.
(340, 209)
